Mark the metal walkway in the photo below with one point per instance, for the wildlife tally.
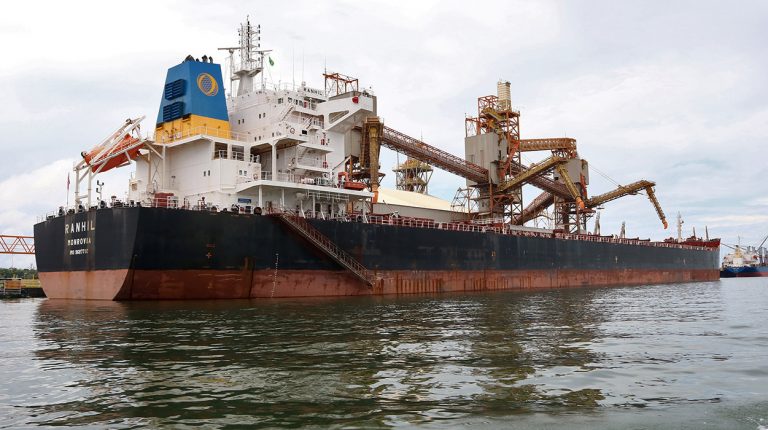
(323, 243)
(17, 244)
(541, 202)
(419, 150)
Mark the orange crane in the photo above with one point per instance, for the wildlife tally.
(495, 116)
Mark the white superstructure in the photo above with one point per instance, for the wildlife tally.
(286, 148)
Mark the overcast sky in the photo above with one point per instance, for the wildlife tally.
(670, 91)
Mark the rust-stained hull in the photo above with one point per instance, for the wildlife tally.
(160, 253)
(96, 284)
(210, 284)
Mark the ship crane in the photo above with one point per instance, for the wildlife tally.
(631, 189)
(762, 243)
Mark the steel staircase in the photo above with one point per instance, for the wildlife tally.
(325, 244)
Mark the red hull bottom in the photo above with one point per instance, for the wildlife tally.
(221, 284)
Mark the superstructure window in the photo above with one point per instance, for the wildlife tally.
(238, 152)
(220, 150)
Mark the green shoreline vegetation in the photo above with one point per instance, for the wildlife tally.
(15, 273)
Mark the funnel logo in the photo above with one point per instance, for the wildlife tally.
(207, 84)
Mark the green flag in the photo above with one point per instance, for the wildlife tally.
(271, 63)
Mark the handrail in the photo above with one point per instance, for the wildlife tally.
(415, 148)
(504, 229)
(202, 130)
(322, 242)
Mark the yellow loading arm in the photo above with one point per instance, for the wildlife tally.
(631, 189)
(656, 205)
(621, 191)
(570, 185)
(532, 172)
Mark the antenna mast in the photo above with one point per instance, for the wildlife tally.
(250, 56)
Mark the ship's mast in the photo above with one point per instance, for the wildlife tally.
(250, 59)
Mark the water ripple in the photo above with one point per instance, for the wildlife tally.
(548, 358)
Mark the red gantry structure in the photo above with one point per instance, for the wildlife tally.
(12, 244)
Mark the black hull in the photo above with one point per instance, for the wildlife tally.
(155, 253)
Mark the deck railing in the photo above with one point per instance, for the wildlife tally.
(173, 203)
(198, 131)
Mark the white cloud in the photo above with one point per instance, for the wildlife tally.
(736, 220)
(38, 187)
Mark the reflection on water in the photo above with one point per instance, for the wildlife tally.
(379, 362)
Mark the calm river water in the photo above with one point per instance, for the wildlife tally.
(690, 356)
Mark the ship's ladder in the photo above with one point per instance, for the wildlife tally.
(327, 246)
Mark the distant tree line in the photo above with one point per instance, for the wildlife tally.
(18, 273)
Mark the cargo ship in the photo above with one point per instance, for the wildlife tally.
(745, 262)
(271, 190)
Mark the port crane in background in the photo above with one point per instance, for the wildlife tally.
(413, 175)
(13, 244)
(493, 168)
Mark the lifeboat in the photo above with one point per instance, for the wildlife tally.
(119, 149)
(345, 183)
(353, 185)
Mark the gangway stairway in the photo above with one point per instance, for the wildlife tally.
(326, 245)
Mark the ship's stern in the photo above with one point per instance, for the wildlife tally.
(87, 255)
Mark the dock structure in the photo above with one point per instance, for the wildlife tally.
(15, 244)
(14, 288)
